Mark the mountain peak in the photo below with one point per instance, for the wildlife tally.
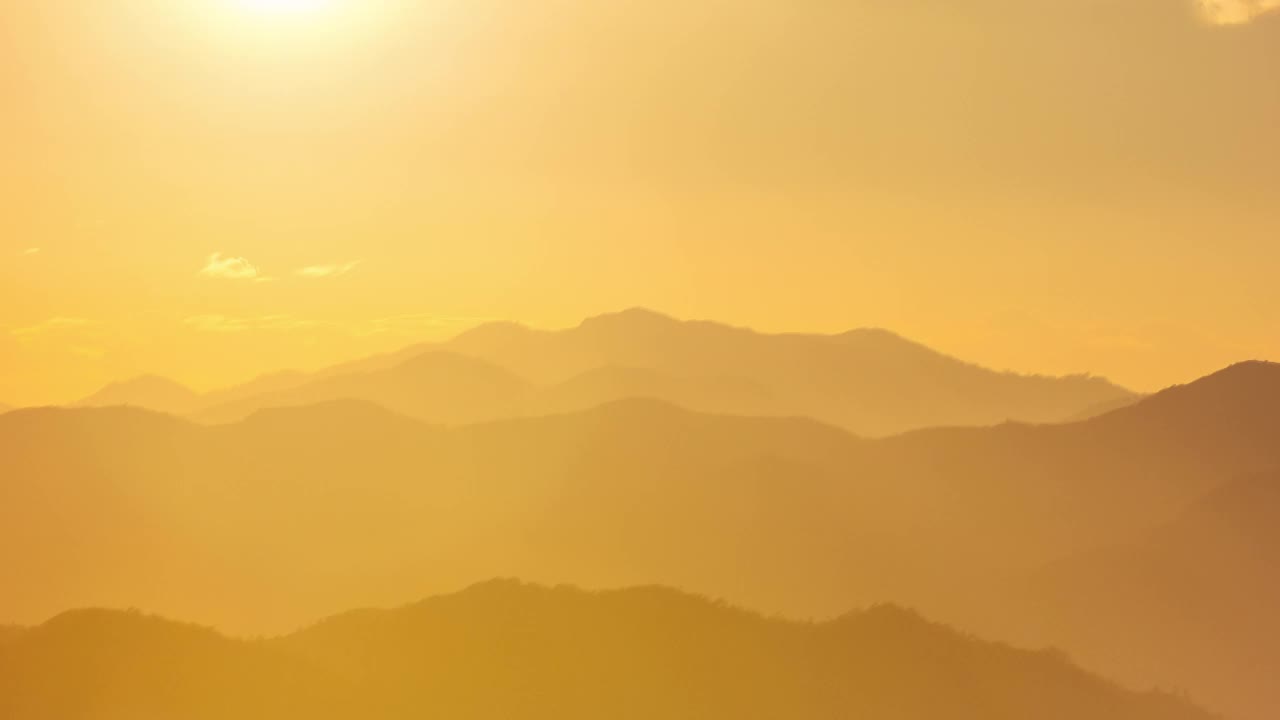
(631, 318)
(1251, 383)
(149, 380)
(110, 418)
(888, 618)
(151, 392)
(880, 337)
(1245, 372)
(492, 333)
(872, 332)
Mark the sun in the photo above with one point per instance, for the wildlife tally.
(285, 7)
(271, 27)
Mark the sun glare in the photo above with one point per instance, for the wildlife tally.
(270, 28)
(281, 7)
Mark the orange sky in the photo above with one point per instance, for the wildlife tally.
(209, 189)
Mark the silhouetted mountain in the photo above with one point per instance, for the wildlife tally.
(1192, 602)
(435, 386)
(270, 383)
(298, 512)
(148, 392)
(164, 395)
(1240, 398)
(505, 650)
(871, 382)
(99, 665)
(9, 633)
(723, 394)
(341, 417)
(5, 408)
(1105, 407)
(564, 498)
(447, 388)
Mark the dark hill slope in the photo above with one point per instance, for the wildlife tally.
(504, 650)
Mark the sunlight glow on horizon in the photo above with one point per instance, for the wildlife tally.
(807, 167)
(326, 17)
(280, 7)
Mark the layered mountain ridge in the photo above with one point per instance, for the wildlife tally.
(870, 382)
(503, 649)
(298, 512)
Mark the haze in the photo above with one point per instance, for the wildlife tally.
(679, 359)
(1051, 187)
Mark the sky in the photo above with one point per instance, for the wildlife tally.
(214, 189)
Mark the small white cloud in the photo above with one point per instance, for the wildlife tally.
(231, 268)
(317, 272)
(1236, 12)
(30, 251)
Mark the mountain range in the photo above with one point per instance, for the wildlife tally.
(870, 382)
(1200, 592)
(148, 391)
(505, 650)
(299, 512)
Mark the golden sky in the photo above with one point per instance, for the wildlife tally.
(210, 189)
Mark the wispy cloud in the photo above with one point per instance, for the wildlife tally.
(230, 324)
(216, 323)
(418, 324)
(404, 326)
(1236, 12)
(75, 335)
(49, 326)
(317, 272)
(231, 268)
(89, 351)
(30, 251)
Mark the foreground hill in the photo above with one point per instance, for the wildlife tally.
(870, 382)
(299, 512)
(10, 633)
(505, 650)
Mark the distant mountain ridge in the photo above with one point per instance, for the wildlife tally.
(595, 482)
(436, 386)
(447, 388)
(150, 392)
(1194, 598)
(785, 514)
(506, 650)
(871, 382)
